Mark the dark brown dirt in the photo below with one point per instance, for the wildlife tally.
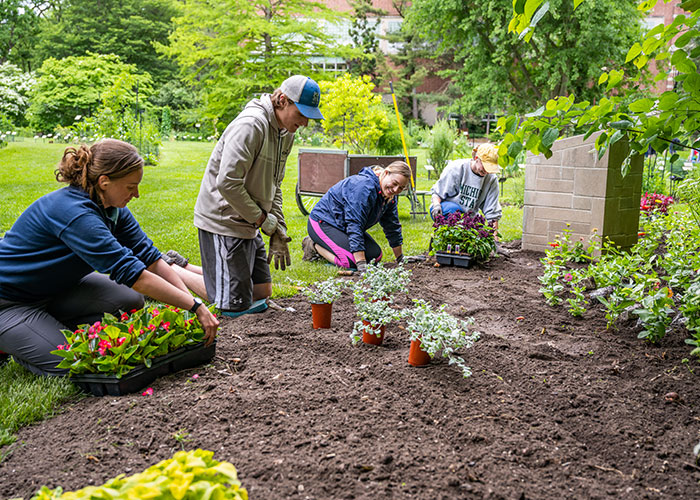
(557, 407)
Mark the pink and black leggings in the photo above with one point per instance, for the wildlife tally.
(337, 242)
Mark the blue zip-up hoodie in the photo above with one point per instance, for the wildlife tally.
(354, 205)
(62, 237)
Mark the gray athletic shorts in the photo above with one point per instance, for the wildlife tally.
(231, 267)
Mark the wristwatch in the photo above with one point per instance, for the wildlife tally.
(197, 303)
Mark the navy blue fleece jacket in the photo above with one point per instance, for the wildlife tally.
(62, 237)
(354, 205)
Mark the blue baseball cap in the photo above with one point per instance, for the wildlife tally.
(305, 93)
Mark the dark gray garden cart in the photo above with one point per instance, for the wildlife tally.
(320, 169)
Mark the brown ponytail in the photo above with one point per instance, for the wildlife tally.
(82, 167)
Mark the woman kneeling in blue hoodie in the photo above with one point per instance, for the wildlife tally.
(339, 222)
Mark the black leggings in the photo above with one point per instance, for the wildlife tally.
(338, 243)
(31, 331)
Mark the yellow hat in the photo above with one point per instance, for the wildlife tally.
(488, 154)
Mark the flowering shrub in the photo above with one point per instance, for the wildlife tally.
(655, 203)
(15, 89)
(439, 331)
(324, 292)
(193, 475)
(117, 345)
(470, 233)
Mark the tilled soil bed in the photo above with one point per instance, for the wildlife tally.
(557, 407)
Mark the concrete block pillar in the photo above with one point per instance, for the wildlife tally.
(574, 187)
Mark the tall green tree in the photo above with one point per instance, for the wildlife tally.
(77, 85)
(233, 49)
(127, 28)
(363, 33)
(18, 27)
(414, 60)
(492, 69)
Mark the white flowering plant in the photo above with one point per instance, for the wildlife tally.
(373, 305)
(324, 292)
(15, 89)
(374, 314)
(379, 282)
(440, 332)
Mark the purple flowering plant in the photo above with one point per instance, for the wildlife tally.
(470, 232)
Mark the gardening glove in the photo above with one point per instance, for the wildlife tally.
(270, 225)
(361, 266)
(279, 250)
(435, 210)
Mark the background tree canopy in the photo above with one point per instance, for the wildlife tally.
(492, 69)
(233, 49)
(18, 26)
(127, 28)
(76, 86)
(645, 120)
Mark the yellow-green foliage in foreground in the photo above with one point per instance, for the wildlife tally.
(194, 474)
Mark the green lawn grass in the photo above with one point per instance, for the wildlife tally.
(168, 194)
(26, 398)
(165, 211)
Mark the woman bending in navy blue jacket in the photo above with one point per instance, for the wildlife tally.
(339, 222)
(48, 258)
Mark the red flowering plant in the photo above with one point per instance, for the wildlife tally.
(464, 233)
(117, 345)
(655, 203)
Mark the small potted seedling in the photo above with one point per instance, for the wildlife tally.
(321, 295)
(373, 295)
(433, 331)
(380, 283)
(374, 316)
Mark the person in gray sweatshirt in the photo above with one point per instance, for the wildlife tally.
(469, 186)
(241, 195)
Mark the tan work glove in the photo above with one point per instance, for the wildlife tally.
(270, 225)
(279, 250)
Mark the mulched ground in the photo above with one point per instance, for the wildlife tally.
(557, 407)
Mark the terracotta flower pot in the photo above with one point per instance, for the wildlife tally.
(321, 315)
(368, 337)
(417, 356)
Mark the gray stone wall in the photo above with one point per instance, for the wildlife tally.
(574, 187)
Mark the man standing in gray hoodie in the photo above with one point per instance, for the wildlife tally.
(241, 194)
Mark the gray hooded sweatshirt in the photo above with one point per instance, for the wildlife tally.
(244, 173)
(460, 185)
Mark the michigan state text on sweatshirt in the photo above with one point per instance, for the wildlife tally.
(460, 185)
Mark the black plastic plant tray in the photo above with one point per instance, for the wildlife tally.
(453, 259)
(100, 384)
